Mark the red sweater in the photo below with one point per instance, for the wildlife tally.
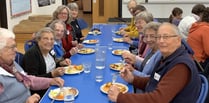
(67, 42)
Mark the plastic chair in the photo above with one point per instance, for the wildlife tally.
(82, 23)
(18, 58)
(204, 89)
(28, 44)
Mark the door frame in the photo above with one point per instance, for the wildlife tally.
(3, 12)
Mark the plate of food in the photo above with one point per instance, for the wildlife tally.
(105, 87)
(92, 41)
(86, 51)
(73, 69)
(56, 94)
(116, 66)
(118, 32)
(118, 39)
(95, 32)
(118, 51)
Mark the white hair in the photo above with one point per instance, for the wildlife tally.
(5, 34)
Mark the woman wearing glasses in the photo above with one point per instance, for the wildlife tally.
(14, 82)
(175, 78)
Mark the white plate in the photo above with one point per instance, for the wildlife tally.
(74, 69)
(118, 39)
(95, 33)
(104, 88)
(118, 51)
(117, 32)
(86, 51)
(53, 93)
(116, 66)
(92, 41)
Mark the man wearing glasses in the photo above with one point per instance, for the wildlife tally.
(175, 78)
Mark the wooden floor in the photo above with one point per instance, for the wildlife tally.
(21, 38)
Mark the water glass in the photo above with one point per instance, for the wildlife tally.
(99, 75)
(100, 57)
(110, 46)
(87, 67)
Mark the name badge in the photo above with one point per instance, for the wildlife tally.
(157, 76)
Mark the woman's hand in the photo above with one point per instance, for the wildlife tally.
(33, 99)
(73, 50)
(129, 58)
(65, 62)
(126, 74)
(57, 81)
(58, 72)
(74, 43)
(79, 46)
(127, 39)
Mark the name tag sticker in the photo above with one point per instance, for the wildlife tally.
(157, 76)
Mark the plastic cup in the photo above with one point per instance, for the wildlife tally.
(87, 67)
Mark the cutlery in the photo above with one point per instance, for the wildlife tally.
(114, 77)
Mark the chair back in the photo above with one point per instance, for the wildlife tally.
(82, 23)
(19, 58)
(204, 89)
(28, 44)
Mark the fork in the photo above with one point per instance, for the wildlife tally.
(114, 77)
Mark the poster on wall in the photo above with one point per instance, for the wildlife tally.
(20, 7)
(42, 3)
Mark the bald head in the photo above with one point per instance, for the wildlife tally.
(131, 5)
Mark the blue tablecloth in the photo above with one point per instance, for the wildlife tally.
(89, 89)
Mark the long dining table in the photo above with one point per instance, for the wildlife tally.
(89, 89)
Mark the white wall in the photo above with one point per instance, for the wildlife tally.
(161, 10)
(46, 10)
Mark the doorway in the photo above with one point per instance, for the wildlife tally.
(3, 12)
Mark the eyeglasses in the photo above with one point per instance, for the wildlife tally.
(151, 37)
(165, 37)
(63, 13)
(12, 47)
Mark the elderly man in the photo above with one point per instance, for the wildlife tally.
(175, 70)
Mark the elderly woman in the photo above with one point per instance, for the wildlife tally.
(14, 83)
(59, 28)
(39, 60)
(63, 13)
(77, 34)
(145, 65)
(141, 20)
(175, 70)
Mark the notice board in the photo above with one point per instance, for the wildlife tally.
(20, 7)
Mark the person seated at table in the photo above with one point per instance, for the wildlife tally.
(134, 9)
(76, 30)
(59, 28)
(198, 39)
(195, 16)
(175, 78)
(63, 13)
(144, 66)
(176, 16)
(141, 20)
(14, 82)
(39, 60)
